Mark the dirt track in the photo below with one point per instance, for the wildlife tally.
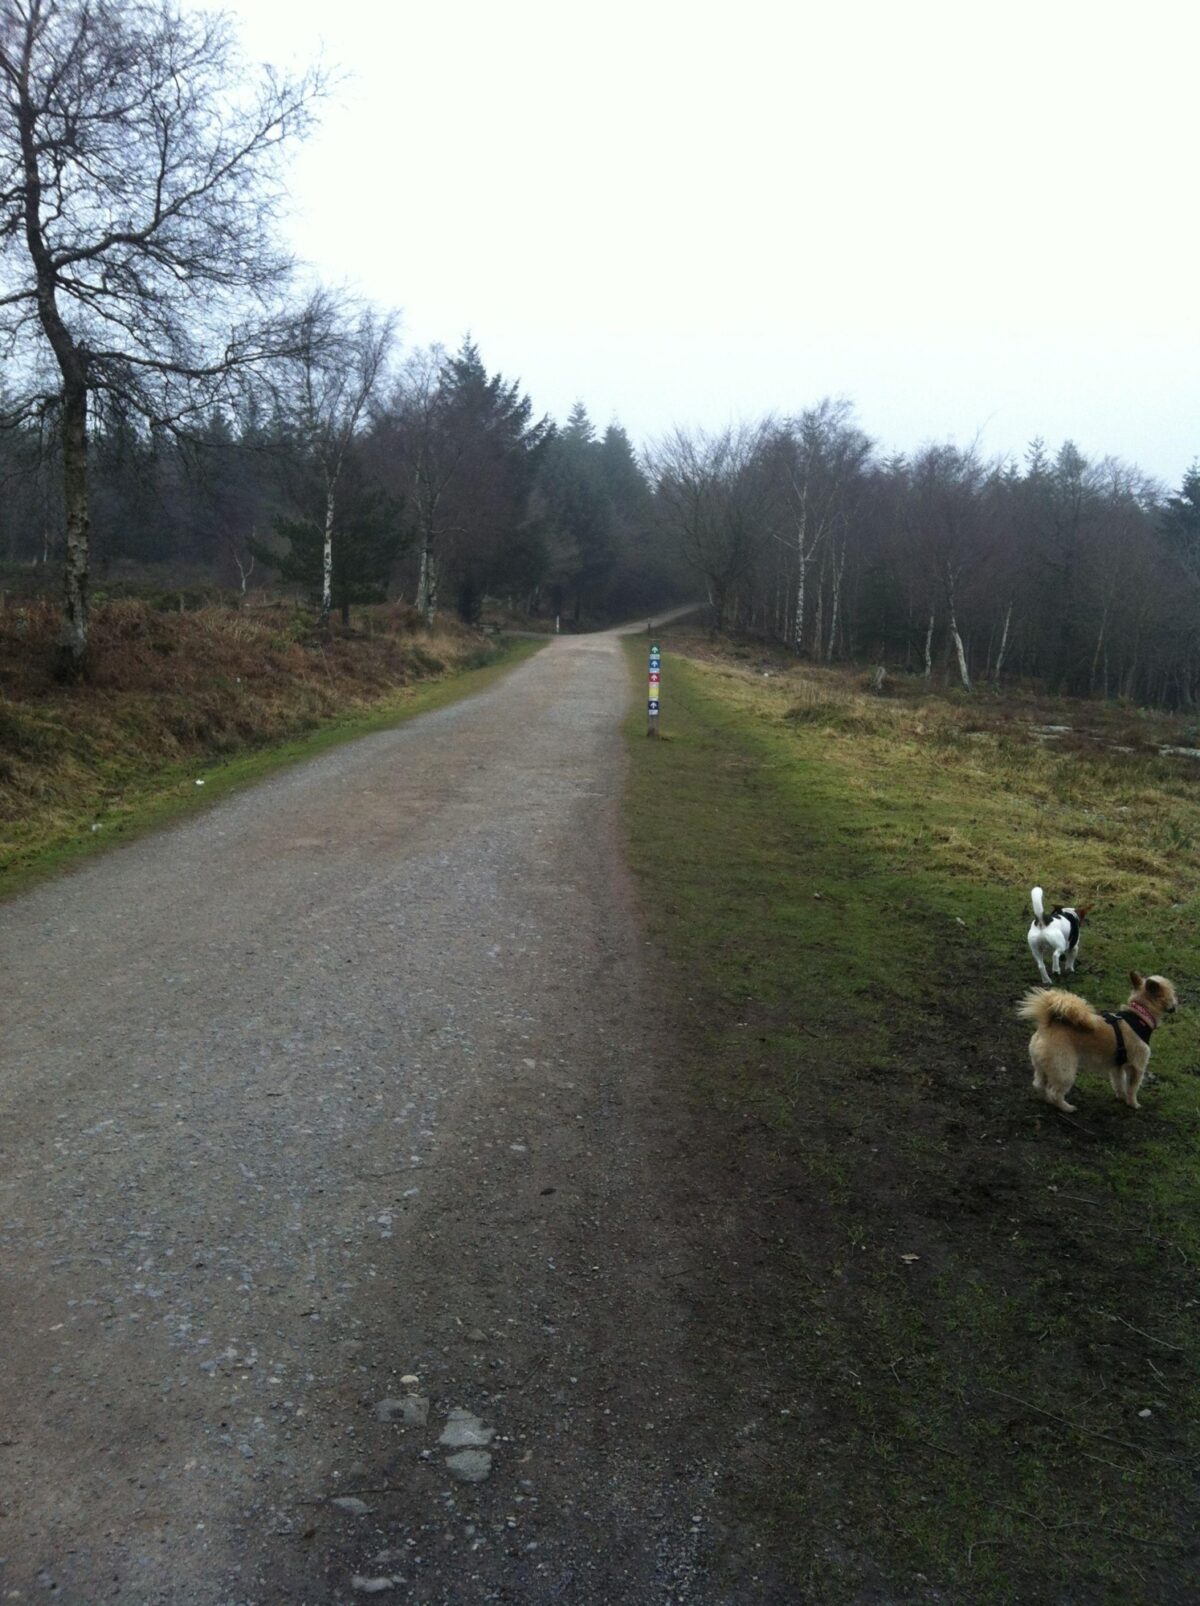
(353, 1080)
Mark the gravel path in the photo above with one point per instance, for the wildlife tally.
(339, 1246)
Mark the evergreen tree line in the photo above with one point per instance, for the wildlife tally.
(448, 489)
(1081, 574)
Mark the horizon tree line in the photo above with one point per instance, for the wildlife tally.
(171, 392)
(1081, 574)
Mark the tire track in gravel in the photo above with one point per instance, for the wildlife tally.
(346, 1093)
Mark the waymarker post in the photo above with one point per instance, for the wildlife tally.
(655, 686)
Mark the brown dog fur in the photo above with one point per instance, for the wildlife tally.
(1070, 1035)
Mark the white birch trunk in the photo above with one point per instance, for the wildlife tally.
(818, 629)
(1003, 645)
(839, 566)
(929, 648)
(327, 558)
(1098, 651)
(427, 582)
(420, 597)
(431, 587)
(959, 650)
(73, 635)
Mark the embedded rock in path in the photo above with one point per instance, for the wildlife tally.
(412, 1410)
(465, 1428)
(471, 1466)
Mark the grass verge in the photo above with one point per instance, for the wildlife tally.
(969, 1321)
(83, 769)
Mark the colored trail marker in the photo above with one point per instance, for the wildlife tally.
(654, 688)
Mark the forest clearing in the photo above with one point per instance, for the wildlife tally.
(969, 1320)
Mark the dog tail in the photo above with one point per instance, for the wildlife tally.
(1052, 1006)
(1039, 912)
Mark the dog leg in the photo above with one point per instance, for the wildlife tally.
(1133, 1082)
(1039, 962)
(1058, 1070)
(1051, 1080)
(1072, 955)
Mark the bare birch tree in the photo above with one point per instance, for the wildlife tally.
(1003, 643)
(819, 459)
(339, 364)
(430, 452)
(948, 524)
(139, 182)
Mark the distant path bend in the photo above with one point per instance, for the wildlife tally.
(347, 1081)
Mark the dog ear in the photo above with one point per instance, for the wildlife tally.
(1084, 911)
(1137, 979)
(1154, 987)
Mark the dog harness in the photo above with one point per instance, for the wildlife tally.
(1140, 1023)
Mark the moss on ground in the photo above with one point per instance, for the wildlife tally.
(977, 1316)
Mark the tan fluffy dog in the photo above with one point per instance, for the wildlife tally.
(1071, 1034)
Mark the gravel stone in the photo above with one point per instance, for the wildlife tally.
(410, 1409)
(471, 1466)
(465, 1428)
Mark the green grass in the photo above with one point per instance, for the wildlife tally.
(963, 1425)
(128, 790)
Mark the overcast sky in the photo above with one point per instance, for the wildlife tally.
(973, 220)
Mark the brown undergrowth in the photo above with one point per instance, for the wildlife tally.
(170, 694)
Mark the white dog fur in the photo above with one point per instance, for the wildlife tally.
(1056, 938)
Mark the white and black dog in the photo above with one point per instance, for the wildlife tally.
(1056, 934)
